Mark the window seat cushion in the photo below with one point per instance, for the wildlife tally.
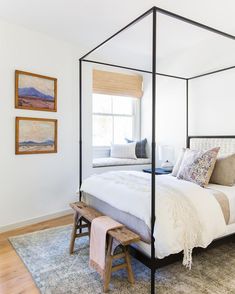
(110, 161)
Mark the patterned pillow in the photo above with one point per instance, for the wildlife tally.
(197, 166)
(140, 149)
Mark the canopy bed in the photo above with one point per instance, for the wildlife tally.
(147, 253)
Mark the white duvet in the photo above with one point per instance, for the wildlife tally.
(187, 215)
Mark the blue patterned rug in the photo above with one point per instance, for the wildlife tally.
(46, 255)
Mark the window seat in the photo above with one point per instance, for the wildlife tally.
(110, 161)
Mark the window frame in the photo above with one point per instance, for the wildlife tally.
(136, 115)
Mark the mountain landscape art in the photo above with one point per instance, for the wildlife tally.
(35, 92)
(36, 135)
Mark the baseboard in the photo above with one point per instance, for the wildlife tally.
(35, 220)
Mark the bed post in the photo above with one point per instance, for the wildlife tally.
(187, 137)
(80, 126)
(154, 41)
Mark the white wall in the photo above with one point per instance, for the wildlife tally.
(212, 104)
(211, 108)
(146, 108)
(170, 113)
(87, 119)
(33, 186)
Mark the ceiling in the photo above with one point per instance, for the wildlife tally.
(86, 23)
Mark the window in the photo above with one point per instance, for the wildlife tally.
(114, 119)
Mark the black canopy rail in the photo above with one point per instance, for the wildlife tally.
(152, 262)
(134, 69)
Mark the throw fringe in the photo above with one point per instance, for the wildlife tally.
(187, 261)
(184, 216)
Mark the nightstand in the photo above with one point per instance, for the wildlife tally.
(158, 171)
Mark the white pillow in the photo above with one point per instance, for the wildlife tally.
(123, 150)
(178, 163)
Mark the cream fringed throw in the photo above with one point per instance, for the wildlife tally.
(99, 228)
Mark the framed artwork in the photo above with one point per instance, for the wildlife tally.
(35, 92)
(35, 135)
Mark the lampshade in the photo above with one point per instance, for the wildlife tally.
(166, 152)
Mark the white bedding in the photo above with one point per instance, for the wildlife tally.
(186, 214)
(146, 248)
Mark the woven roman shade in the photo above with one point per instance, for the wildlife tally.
(112, 83)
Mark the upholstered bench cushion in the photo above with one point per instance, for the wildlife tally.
(110, 161)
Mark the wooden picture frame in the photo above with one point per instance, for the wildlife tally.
(35, 135)
(35, 92)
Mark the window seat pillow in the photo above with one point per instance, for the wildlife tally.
(123, 151)
(140, 148)
(109, 161)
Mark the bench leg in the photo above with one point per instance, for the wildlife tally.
(109, 268)
(74, 233)
(131, 278)
(108, 265)
(77, 224)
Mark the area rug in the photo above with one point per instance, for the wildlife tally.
(55, 271)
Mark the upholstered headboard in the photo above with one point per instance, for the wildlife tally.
(226, 143)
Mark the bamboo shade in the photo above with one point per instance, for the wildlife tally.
(119, 84)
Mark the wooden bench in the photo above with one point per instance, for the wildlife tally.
(83, 217)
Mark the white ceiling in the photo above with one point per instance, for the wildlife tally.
(88, 22)
(182, 49)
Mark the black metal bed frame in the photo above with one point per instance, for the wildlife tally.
(152, 262)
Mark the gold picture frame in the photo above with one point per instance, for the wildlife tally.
(35, 135)
(35, 92)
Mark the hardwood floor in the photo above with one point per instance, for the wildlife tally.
(14, 276)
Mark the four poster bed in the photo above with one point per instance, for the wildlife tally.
(133, 199)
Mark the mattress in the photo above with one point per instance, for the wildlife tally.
(135, 224)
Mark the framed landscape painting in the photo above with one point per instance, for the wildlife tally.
(35, 92)
(35, 135)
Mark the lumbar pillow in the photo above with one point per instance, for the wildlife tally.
(178, 163)
(224, 171)
(140, 149)
(123, 150)
(197, 166)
